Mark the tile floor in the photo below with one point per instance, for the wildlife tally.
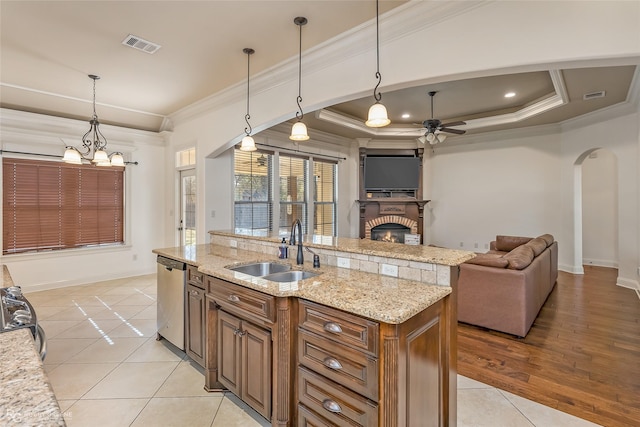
(107, 369)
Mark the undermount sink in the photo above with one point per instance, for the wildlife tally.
(259, 269)
(290, 276)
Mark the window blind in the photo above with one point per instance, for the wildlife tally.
(324, 198)
(293, 191)
(253, 200)
(52, 205)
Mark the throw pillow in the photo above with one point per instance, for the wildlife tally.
(520, 257)
(538, 245)
(509, 243)
(489, 260)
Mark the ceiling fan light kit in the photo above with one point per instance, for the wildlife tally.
(434, 127)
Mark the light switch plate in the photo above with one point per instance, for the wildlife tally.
(233, 243)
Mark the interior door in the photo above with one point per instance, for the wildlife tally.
(187, 226)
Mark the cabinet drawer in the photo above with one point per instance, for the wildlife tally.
(307, 418)
(355, 369)
(337, 404)
(194, 277)
(241, 300)
(337, 325)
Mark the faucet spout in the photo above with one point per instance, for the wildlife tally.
(296, 228)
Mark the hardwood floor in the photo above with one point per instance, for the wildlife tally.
(582, 355)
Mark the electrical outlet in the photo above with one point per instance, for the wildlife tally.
(213, 214)
(461, 244)
(486, 246)
(233, 243)
(344, 262)
(135, 257)
(389, 270)
(475, 245)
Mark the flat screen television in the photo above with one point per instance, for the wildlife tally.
(391, 173)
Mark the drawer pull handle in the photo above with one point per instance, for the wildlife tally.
(234, 298)
(332, 327)
(332, 363)
(331, 406)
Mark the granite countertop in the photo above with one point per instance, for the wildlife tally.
(7, 281)
(419, 253)
(377, 297)
(26, 397)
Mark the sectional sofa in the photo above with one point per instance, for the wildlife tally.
(505, 288)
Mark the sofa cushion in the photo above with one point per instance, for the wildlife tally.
(538, 245)
(548, 238)
(509, 243)
(520, 257)
(489, 260)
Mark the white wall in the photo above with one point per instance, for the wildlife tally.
(145, 198)
(507, 186)
(600, 209)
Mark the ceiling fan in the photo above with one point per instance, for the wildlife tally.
(434, 127)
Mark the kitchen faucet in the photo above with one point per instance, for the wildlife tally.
(297, 226)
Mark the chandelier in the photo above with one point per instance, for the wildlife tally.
(94, 144)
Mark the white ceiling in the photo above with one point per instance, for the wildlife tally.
(49, 47)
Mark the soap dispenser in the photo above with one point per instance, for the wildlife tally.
(283, 250)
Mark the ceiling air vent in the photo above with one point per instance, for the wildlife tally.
(140, 44)
(593, 95)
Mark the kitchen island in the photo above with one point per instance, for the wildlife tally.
(26, 397)
(371, 342)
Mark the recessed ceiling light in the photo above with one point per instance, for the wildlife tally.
(509, 94)
(406, 115)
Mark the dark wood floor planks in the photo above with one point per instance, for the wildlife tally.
(582, 355)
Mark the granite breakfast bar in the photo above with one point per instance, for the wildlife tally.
(371, 342)
(26, 397)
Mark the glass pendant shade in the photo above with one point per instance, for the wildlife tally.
(299, 132)
(117, 159)
(248, 144)
(377, 116)
(100, 156)
(431, 137)
(71, 155)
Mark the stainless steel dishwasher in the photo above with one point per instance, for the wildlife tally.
(171, 283)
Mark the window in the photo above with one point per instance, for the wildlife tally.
(51, 205)
(253, 200)
(186, 157)
(293, 191)
(324, 198)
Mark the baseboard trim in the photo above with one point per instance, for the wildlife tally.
(83, 281)
(629, 283)
(571, 269)
(600, 263)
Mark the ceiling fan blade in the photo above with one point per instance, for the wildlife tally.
(456, 131)
(460, 123)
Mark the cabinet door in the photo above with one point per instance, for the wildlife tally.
(195, 324)
(229, 351)
(256, 362)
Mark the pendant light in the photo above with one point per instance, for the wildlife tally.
(94, 144)
(248, 144)
(377, 113)
(299, 129)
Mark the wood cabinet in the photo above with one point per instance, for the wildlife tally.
(249, 348)
(195, 336)
(353, 371)
(244, 361)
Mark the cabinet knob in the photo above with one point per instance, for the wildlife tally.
(331, 406)
(332, 327)
(234, 298)
(239, 333)
(332, 363)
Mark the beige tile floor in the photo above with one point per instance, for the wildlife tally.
(107, 369)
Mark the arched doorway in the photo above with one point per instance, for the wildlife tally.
(596, 209)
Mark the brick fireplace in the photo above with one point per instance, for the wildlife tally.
(388, 215)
